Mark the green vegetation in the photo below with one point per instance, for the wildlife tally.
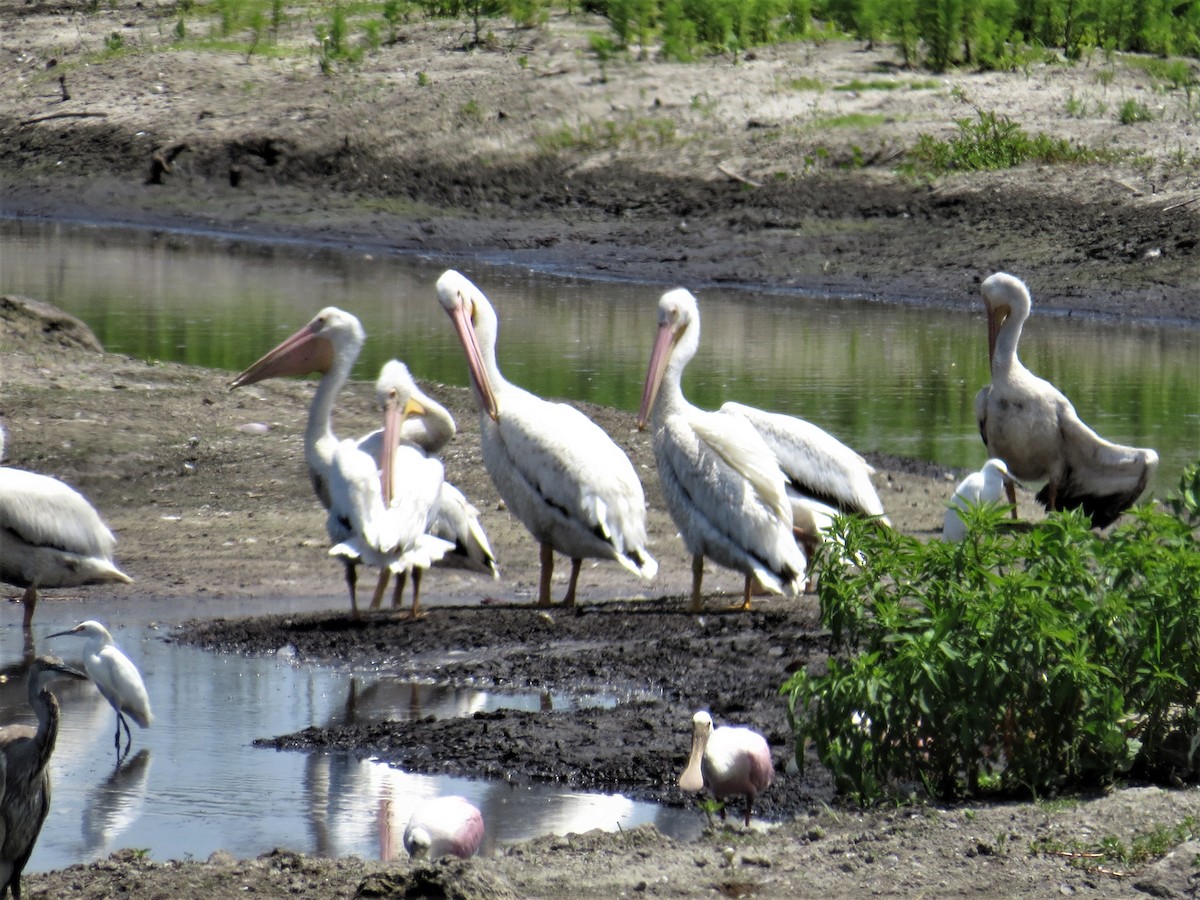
(608, 134)
(1017, 662)
(888, 84)
(991, 141)
(1131, 111)
(1111, 851)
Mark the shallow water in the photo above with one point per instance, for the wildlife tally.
(879, 377)
(193, 783)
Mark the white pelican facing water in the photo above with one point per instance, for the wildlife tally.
(50, 536)
(557, 471)
(1027, 422)
(723, 486)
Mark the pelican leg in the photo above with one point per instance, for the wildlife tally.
(746, 594)
(416, 578)
(749, 807)
(29, 601)
(547, 571)
(697, 576)
(352, 583)
(569, 600)
(1010, 491)
(380, 588)
(398, 591)
(1052, 496)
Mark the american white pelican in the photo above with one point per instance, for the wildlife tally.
(442, 827)
(115, 676)
(558, 472)
(330, 344)
(985, 486)
(1028, 423)
(723, 487)
(428, 428)
(380, 512)
(50, 536)
(728, 760)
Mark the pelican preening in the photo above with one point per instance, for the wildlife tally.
(723, 486)
(25, 773)
(728, 761)
(115, 676)
(50, 536)
(988, 485)
(381, 511)
(329, 344)
(445, 826)
(1027, 422)
(557, 471)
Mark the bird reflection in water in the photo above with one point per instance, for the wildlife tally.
(116, 803)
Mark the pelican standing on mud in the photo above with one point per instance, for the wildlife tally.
(380, 512)
(566, 480)
(723, 486)
(50, 536)
(1027, 422)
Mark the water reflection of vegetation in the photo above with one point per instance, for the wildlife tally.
(880, 378)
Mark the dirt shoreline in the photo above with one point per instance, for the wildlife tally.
(460, 167)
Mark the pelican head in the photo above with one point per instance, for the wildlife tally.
(472, 316)
(1005, 296)
(331, 334)
(692, 778)
(678, 317)
(394, 394)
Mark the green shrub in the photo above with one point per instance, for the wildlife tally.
(992, 142)
(1131, 111)
(1016, 662)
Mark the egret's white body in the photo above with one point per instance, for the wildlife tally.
(985, 486)
(723, 486)
(380, 512)
(1027, 422)
(50, 536)
(566, 481)
(25, 773)
(329, 344)
(729, 761)
(442, 827)
(115, 676)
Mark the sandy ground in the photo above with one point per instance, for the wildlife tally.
(526, 149)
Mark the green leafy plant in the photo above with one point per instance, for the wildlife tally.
(1016, 662)
(1132, 111)
(992, 141)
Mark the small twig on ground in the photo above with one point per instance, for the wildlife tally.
(64, 115)
(1181, 203)
(725, 170)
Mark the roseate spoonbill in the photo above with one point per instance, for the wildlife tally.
(728, 760)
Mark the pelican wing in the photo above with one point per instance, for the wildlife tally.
(575, 467)
(722, 481)
(1102, 478)
(816, 464)
(44, 512)
(458, 522)
(356, 522)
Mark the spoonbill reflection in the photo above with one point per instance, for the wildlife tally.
(566, 480)
(1027, 422)
(115, 676)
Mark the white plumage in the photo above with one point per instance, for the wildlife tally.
(985, 486)
(1027, 422)
(558, 472)
(329, 344)
(115, 676)
(50, 536)
(380, 513)
(723, 486)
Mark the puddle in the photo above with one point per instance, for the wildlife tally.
(193, 783)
